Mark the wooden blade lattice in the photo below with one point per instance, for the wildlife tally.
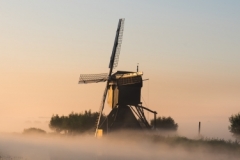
(93, 78)
(116, 59)
(117, 45)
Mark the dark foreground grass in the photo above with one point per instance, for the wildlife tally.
(213, 145)
(210, 144)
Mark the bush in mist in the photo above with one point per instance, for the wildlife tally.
(235, 124)
(165, 123)
(74, 122)
(33, 131)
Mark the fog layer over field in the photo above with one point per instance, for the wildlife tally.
(139, 147)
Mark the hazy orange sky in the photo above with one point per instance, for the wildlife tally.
(189, 50)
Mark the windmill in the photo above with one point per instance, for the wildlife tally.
(124, 93)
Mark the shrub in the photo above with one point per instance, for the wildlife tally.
(33, 131)
(165, 123)
(235, 124)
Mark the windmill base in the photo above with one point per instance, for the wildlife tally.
(121, 118)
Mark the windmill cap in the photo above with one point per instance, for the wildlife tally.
(125, 74)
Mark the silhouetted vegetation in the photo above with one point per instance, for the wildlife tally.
(165, 123)
(204, 144)
(74, 122)
(33, 131)
(214, 143)
(235, 125)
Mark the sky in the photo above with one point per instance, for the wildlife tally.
(189, 51)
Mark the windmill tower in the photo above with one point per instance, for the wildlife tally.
(124, 93)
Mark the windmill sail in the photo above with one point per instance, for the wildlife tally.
(113, 63)
(92, 78)
(101, 109)
(117, 45)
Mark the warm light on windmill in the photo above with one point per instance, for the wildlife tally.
(124, 93)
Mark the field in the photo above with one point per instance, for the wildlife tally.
(115, 146)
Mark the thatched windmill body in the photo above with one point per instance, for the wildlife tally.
(124, 93)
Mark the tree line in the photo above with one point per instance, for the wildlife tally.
(74, 122)
(86, 121)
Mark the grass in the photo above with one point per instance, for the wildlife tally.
(211, 144)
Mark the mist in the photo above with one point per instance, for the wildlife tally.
(124, 145)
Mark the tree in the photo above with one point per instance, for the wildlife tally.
(165, 123)
(235, 124)
(74, 122)
(57, 123)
